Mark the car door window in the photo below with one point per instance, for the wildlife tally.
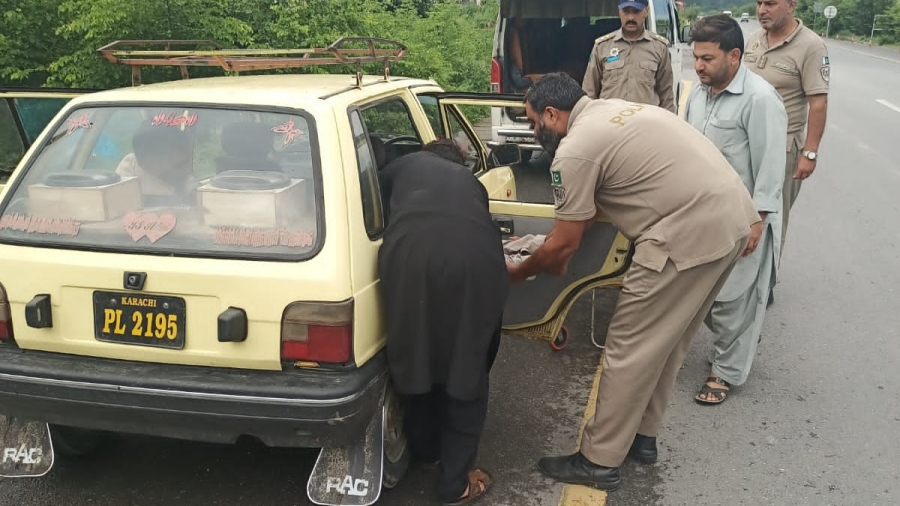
(664, 23)
(373, 213)
(466, 141)
(36, 112)
(12, 147)
(433, 112)
(391, 130)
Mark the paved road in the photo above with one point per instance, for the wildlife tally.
(816, 424)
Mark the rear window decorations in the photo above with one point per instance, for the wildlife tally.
(76, 122)
(233, 236)
(288, 132)
(173, 119)
(271, 204)
(153, 226)
(169, 183)
(40, 225)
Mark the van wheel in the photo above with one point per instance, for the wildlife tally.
(396, 451)
(75, 442)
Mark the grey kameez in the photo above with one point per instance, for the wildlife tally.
(748, 123)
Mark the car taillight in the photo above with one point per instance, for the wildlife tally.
(318, 332)
(495, 76)
(6, 330)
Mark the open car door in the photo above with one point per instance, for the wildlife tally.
(24, 112)
(491, 167)
(536, 309)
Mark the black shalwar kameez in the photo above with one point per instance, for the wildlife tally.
(445, 283)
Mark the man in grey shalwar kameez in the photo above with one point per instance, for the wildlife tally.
(745, 118)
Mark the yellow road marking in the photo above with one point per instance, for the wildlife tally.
(578, 495)
(685, 91)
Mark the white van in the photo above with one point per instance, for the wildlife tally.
(536, 37)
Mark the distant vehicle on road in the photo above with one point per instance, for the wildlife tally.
(727, 12)
(745, 18)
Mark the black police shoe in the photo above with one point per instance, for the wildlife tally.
(578, 470)
(643, 449)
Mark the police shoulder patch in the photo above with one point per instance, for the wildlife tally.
(604, 38)
(559, 196)
(661, 38)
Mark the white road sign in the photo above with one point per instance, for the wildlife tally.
(830, 11)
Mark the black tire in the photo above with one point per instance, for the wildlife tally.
(396, 450)
(75, 442)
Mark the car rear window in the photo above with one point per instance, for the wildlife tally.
(180, 180)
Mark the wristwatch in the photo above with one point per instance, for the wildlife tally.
(810, 154)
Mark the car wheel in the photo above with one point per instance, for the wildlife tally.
(75, 442)
(396, 450)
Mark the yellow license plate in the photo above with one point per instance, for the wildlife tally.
(147, 320)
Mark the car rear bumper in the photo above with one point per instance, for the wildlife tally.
(297, 408)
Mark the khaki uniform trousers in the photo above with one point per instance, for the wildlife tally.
(790, 190)
(656, 318)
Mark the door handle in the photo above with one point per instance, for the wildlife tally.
(505, 224)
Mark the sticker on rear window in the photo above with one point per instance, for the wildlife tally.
(83, 121)
(263, 238)
(290, 133)
(150, 225)
(171, 119)
(39, 225)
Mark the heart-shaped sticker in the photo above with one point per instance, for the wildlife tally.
(152, 225)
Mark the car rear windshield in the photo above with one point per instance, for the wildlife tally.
(180, 180)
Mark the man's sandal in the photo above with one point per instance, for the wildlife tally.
(713, 395)
(479, 483)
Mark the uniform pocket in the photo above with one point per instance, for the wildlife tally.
(614, 71)
(647, 71)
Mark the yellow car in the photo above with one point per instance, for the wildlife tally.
(196, 259)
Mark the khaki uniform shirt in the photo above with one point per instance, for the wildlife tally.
(638, 71)
(660, 182)
(797, 68)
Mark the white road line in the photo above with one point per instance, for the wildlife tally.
(888, 104)
(864, 53)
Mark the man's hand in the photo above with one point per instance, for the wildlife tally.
(755, 234)
(515, 273)
(554, 254)
(805, 168)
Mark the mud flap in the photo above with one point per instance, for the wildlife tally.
(350, 475)
(27, 450)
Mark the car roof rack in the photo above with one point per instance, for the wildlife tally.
(207, 53)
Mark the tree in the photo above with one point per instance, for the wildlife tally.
(26, 50)
(90, 24)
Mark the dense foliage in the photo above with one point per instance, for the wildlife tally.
(854, 18)
(55, 42)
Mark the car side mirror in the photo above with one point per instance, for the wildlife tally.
(505, 154)
(686, 34)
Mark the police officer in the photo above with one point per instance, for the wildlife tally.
(794, 60)
(631, 63)
(671, 192)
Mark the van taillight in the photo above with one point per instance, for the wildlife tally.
(6, 330)
(318, 332)
(495, 76)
